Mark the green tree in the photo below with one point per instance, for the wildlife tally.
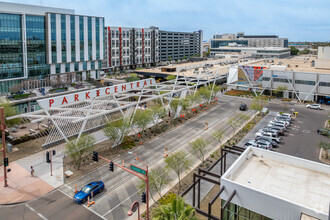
(205, 94)
(178, 162)
(157, 111)
(305, 51)
(258, 103)
(198, 148)
(158, 180)
(218, 136)
(294, 50)
(116, 130)
(170, 77)
(174, 105)
(176, 210)
(233, 123)
(9, 111)
(77, 148)
(142, 118)
(279, 90)
(132, 77)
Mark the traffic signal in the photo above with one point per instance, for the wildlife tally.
(95, 156)
(144, 197)
(6, 162)
(111, 166)
(47, 157)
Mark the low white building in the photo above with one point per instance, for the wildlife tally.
(264, 184)
(255, 52)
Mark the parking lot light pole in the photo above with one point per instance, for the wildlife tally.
(3, 128)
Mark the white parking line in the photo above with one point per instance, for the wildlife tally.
(33, 210)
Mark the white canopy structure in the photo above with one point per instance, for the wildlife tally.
(74, 114)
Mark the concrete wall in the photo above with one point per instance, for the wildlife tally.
(265, 204)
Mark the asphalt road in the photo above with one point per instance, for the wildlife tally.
(121, 187)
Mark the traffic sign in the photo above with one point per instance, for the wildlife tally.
(138, 169)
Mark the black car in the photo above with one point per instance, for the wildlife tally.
(324, 131)
(243, 107)
(110, 83)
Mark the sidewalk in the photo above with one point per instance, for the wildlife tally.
(21, 185)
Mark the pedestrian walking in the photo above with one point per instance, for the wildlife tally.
(32, 171)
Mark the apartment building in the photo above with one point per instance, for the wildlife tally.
(41, 42)
(177, 45)
(127, 48)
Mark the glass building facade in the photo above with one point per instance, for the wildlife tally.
(36, 46)
(11, 46)
(224, 43)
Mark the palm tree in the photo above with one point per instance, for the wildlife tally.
(176, 210)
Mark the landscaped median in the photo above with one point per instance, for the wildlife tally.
(213, 149)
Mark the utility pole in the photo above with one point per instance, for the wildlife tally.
(3, 128)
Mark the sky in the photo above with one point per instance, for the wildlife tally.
(298, 20)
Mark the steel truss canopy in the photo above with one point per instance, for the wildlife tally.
(74, 114)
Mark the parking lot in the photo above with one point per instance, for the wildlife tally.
(301, 136)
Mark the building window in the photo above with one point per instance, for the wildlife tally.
(81, 37)
(63, 37)
(58, 68)
(90, 38)
(84, 65)
(97, 27)
(305, 82)
(53, 37)
(324, 84)
(76, 66)
(73, 37)
(67, 67)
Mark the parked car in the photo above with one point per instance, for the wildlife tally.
(280, 129)
(314, 106)
(243, 107)
(95, 187)
(279, 123)
(287, 115)
(268, 139)
(269, 135)
(261, 141)
(110, 83)
(283, 118)
(250, 143)
(276, 132)
(323, 131)
(287, 123)
(265, 145)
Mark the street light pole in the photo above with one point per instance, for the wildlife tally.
(3, 127)
(132, 209)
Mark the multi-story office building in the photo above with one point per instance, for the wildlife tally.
(177, 45)
(248, 40)
(42, 42)
(127, 48)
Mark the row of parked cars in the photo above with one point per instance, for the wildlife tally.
(271, 135)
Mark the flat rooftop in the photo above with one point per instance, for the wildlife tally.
(189, 68)
(298, 181)
(299, 64)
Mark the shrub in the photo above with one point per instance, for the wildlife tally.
(128, 142)
(167, 198)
